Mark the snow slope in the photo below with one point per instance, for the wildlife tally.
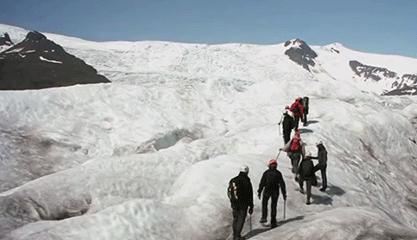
(334, 59)
(149, 156)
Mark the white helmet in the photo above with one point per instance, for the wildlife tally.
(244, 168)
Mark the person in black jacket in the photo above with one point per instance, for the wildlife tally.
(306, 173)
(270, 183)
(322, 165)
(287, 125)
(241, 198)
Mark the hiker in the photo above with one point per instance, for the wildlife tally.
(240, 193)
(305, 106)
(295, 150)
(322, 164)
(287, 124)
(306, 174)
(298, 111)
(270, 183)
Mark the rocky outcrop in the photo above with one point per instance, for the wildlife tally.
(401, 85)
(38, 62)
(371, 72)
(299, 52)
(5, 40)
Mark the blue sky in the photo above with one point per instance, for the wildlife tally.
(384, 26)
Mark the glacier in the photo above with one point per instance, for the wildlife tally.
(149, 156)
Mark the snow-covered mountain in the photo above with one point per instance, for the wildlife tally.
(149, 155)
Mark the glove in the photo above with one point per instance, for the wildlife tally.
(285, 197)
(259, 195)
(250, 210)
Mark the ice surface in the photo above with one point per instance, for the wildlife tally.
(149, 156)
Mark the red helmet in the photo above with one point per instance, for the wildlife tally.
(272, 162)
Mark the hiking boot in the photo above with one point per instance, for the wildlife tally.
(308, 202)
(322, 189)
(263, 220)
(273, 224)
(301, 191)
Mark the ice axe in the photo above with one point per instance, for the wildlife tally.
(250, 223)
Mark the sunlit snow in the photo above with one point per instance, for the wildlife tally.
(150, 155)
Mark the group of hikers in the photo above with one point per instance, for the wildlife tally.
(240, 190)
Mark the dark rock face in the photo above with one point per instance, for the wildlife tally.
(300, 53)
(410, 77)
(5, 40)
(335, 50)
(370, 72)
(406, 85)
(406, 90)
(38, 62)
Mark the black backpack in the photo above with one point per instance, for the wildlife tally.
(305, 103)
(232, 191)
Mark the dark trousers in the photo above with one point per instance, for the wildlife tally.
(287, 136)
(308, 183)
(322, 168)
(239, 216)
(295, 161)
(296, 121)
(274, 202)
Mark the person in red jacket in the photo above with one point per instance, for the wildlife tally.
(297, 109)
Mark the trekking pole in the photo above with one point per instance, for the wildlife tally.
(285, 204)
(278, 154)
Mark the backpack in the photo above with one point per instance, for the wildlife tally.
(232, 191)
(295, 145)
(295, 108)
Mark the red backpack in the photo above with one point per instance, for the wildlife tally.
(295, 145)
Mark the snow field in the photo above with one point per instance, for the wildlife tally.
(208, 109)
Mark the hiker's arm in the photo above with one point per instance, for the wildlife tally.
(261, 185)
(250, 197)
(286, 147)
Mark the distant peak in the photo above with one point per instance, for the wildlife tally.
(299, 52)
(35, 36)
(295, 43)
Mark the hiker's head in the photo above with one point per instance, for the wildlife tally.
(244, 169)
(272, 163)
(319, 143)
